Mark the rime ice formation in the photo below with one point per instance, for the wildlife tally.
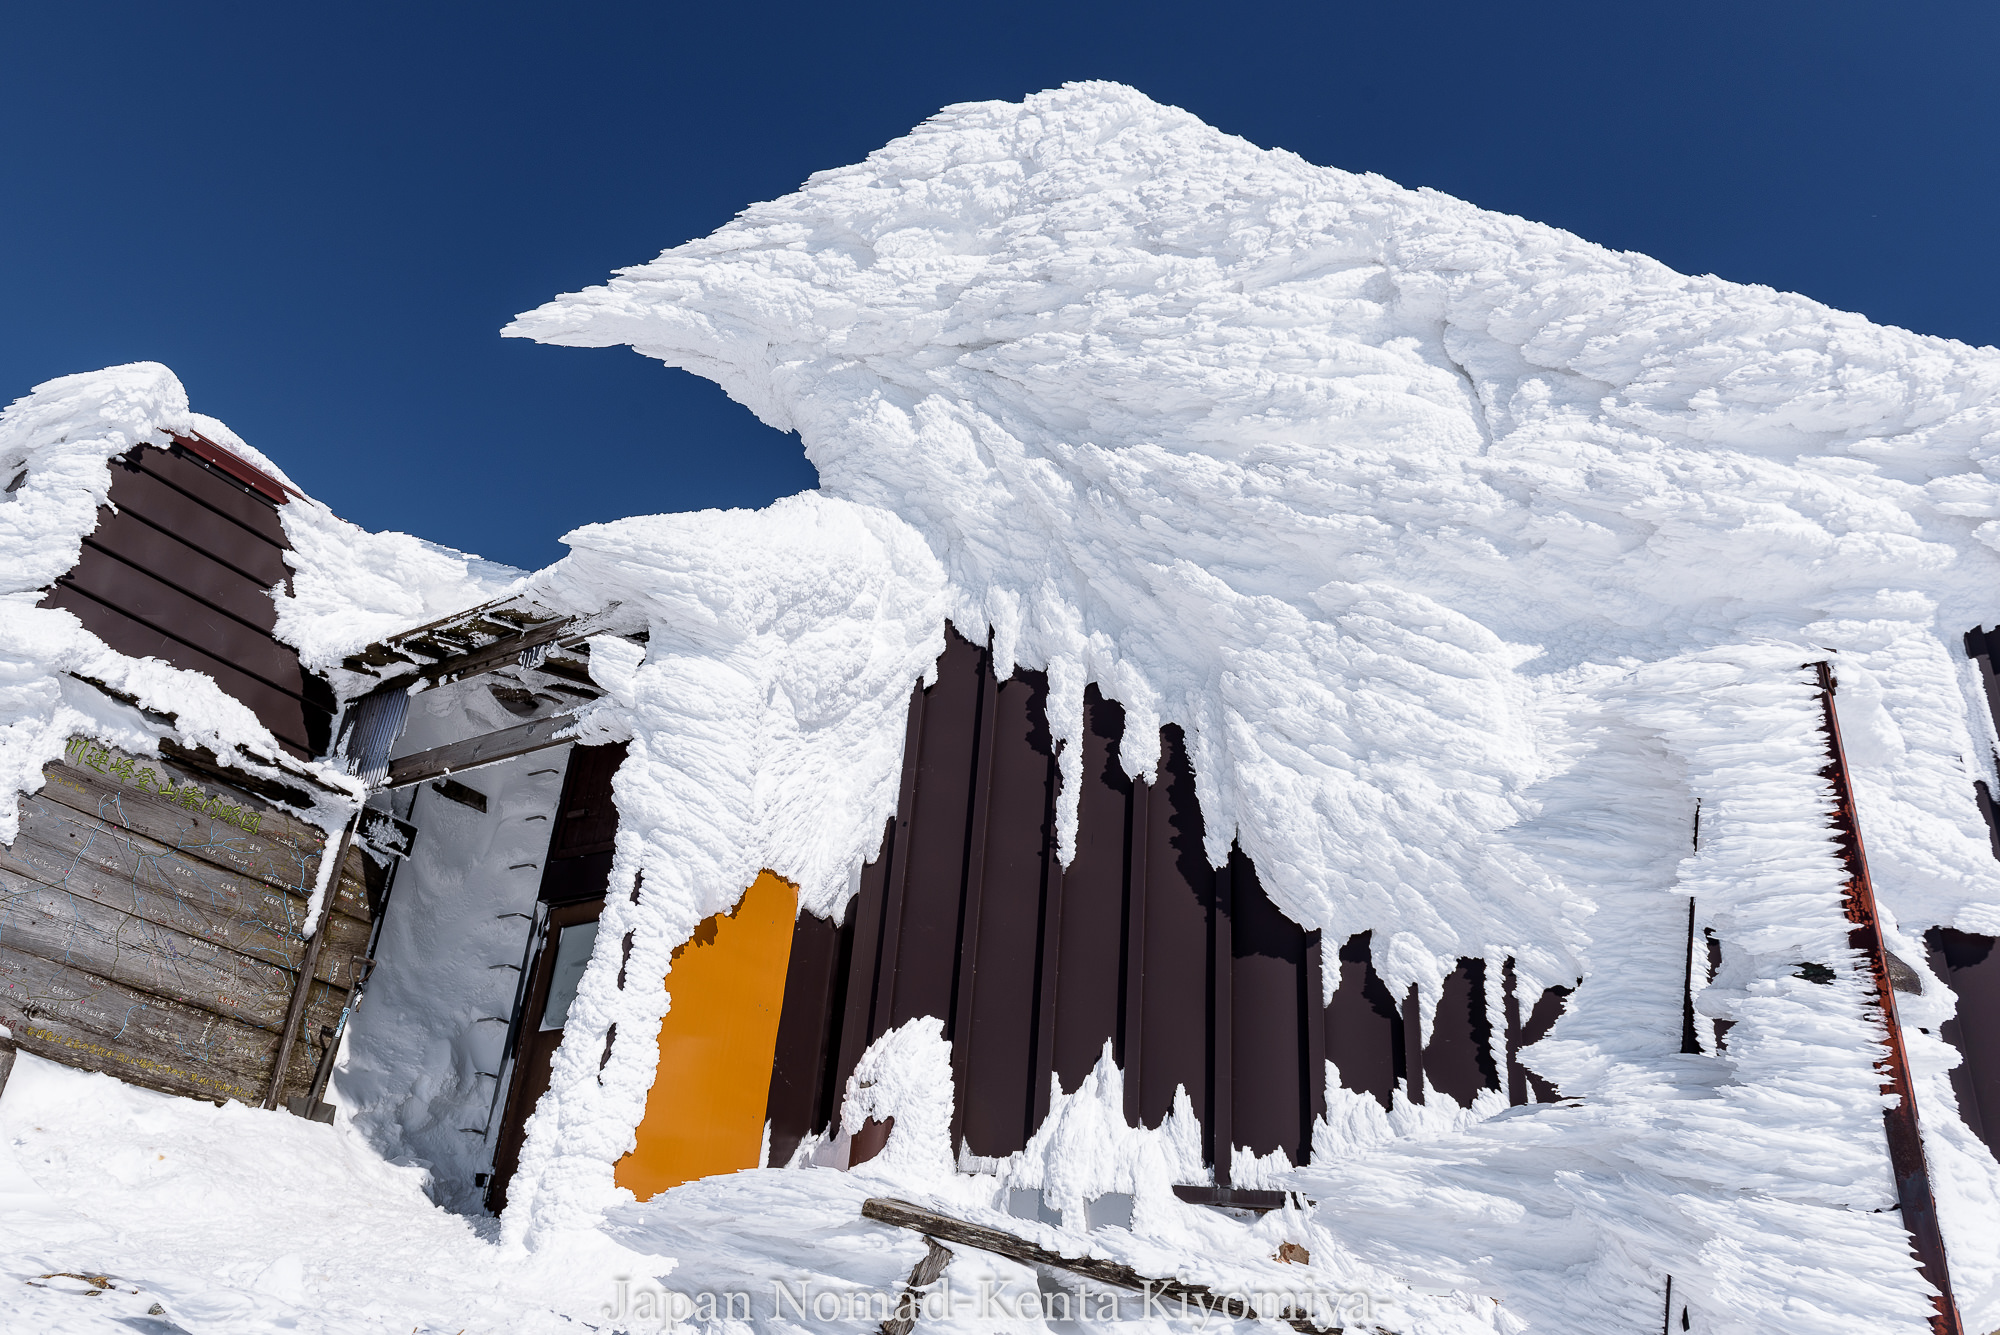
(1469, 554)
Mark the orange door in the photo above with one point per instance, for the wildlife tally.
(705, 1112)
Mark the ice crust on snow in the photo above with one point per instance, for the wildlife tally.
(1469, 554)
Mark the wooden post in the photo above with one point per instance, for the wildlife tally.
(904, 1319)
(1906, 1144)
(302, 990)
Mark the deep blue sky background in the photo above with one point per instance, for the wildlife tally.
(319, 215)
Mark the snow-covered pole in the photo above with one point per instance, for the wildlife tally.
(302, 990)
(1906, 1143)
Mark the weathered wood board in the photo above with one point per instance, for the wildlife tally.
(151, 928)
(81, 1019)
(114, 867)
(185, 812)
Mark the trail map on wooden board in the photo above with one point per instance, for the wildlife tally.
(150, 927)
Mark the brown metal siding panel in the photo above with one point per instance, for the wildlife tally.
(1459, 1058)
(1272, 1092)
(163, 607)
(1179, 895)
(1548, 1009)
(217, 493)
(1219, 1109)
(971, 906)
(281, 713)
(1971, 966)
(866, 968)
(999, 1027)
(805, 1030)
(931, 879)
(169, 508)
(964, 914)
(193, 572)
(565, 880)
(1090, 979)
(1364, 1030)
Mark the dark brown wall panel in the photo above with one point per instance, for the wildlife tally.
(167, 507)
(999, 1029)
(806, 1028)
(1364, 1026)
(1195, 977)
(1172, 1050)
(1972, 966)
(867, 966)
(586, 818)
(1089, 983)
(179, 568)
(1272, 1089)
(578, 864)
(281, 713)
(927, 889)
(138, 543)
(160, 605)
(1459, 1058)
(223, 495)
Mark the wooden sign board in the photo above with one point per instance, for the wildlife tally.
(151, 927)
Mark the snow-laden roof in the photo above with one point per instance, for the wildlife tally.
(348, 585)
(1470, 555)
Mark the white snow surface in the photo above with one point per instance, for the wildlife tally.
(1469, 554)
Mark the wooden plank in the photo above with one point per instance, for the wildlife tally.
(902, 1214)
(503, 652)
(127, 874)
(485, 749)
(225, 827)
(70, 1016)
(67, 928)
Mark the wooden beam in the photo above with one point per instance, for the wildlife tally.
(500, 653)
(485, 749)
(902, 1214)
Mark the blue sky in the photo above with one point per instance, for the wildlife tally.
(319, 215)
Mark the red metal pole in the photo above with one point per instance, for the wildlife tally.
(1906, 1145)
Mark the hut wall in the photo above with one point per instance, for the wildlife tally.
(1189, 973)
(150, 927)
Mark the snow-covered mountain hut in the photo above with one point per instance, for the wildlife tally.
(1288, 685)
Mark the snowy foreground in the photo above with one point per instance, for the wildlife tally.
(1473, 559)
(225, 1220)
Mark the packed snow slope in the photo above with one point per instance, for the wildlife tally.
(1469, 554)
